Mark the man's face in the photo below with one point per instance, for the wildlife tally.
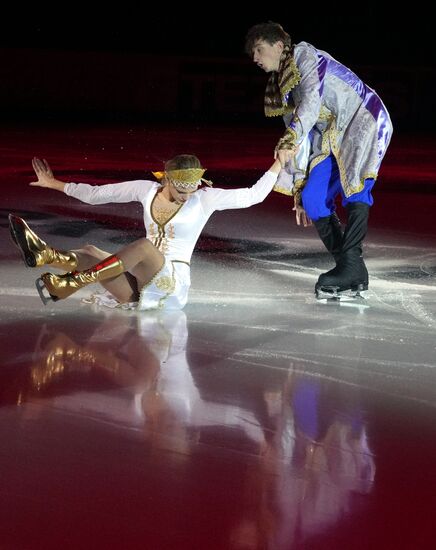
(267, 56)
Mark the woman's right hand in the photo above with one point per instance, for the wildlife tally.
(45, 175)
(276, 167)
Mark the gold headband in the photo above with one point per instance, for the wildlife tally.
(185, 178)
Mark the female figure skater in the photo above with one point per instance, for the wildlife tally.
(152, 272)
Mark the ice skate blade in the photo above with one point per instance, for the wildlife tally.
(334, 294)
(40, 286)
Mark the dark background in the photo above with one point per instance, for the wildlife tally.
(136, 62)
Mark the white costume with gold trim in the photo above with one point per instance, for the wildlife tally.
(176, 238)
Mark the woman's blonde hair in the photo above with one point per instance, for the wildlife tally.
(181, 162)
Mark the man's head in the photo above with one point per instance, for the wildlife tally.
(265, 43)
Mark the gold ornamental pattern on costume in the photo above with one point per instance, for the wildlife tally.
(280, 83)
(160, 235)
(164, 210)
(166, 284)
(185, 178)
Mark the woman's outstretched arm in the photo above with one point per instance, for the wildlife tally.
(45, 176)
(127, 191)
(223, 199)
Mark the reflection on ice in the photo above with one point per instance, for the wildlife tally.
(314, 463)
(305, 442)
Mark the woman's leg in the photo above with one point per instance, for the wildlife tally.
(141, 258)
(123, 287)
(141, 261)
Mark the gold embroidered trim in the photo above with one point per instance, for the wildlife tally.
(165, 283)
(280, 83)
(181, 262)
(325, 151)
(371, 175)
(329, 145)
(361, 184)
(165, 230)
(342, 172)
(281, 111)
(297, 199)
(282, 190)
(288, 141)
(151, 281)
(186, 176)
(170, 290)
(162, 214)
(325, 114)
(299, 184)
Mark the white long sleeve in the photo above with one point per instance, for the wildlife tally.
(224, 199)
(127, 191)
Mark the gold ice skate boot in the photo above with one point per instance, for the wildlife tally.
(35, 251)
(62, 286)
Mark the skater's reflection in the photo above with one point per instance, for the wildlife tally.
(131, 369)
(174, 410)
(307, 462)
(77, 363)
(312, 471)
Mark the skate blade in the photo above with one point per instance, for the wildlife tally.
(335, 294)
(40, 286)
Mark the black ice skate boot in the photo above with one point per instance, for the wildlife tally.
(350, 273)
(330, 232)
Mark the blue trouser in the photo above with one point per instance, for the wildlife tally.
(324, 185)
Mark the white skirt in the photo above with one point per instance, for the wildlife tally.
(167, 290)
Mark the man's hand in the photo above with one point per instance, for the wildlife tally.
(301, 217)
(45, 175)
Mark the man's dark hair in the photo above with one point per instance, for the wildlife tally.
(270, 32)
